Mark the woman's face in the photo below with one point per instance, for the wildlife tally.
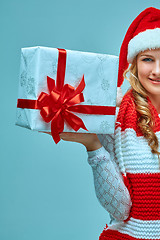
(148, 66)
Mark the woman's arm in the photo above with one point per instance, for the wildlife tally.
(109, 186)
(108, 181)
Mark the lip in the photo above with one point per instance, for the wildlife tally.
(154, 81)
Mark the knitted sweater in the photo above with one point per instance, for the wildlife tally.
(127, 177)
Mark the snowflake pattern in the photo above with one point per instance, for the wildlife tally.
(30, 87)
(23, 78)
(105, 85)
(22, 118)
(54, 67)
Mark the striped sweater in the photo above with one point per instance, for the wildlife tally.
(127, 177)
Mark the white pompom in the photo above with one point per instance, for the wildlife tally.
(119, 96)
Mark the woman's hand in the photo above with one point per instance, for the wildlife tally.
(89, 140)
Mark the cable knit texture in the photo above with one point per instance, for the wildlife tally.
(109, 185)
(135, 176)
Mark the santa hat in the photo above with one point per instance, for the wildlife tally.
(142, 34)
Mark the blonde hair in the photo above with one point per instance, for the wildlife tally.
(145, 121)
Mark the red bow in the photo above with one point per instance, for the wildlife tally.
(55, 107)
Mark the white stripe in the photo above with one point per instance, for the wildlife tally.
(139, 228)
(134, 154)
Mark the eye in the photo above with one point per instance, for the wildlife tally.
(147, 60)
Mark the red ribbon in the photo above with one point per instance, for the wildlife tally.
(57, 106)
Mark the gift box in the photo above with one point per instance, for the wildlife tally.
(66, 90)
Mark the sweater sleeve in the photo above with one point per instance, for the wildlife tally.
(108, 181)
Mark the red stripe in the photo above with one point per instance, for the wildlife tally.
(115, 235)
(27, 103)
(145, 195)
(87, 109)
(92, 109)
(61, 68)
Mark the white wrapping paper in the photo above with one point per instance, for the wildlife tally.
(100, 75)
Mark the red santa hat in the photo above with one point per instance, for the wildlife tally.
(142, 34)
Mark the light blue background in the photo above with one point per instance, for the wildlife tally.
(46, 190)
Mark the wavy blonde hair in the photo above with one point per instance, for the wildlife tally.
(145, 121)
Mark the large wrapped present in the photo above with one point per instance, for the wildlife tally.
(66, 91)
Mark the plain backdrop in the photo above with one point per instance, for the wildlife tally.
(47, 190)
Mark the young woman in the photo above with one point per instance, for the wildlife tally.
(126, 166)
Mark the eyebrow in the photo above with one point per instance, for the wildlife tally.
(146, 55)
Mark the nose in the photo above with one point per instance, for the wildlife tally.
(156, 69)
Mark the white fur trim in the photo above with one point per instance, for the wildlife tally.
(149, 39)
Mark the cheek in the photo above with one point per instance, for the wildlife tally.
(143, 70)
